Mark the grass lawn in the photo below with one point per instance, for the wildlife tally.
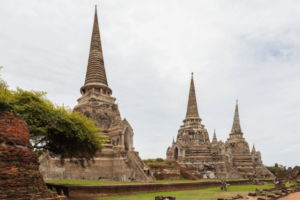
(200, 194)
(97, 182)
(79, 182)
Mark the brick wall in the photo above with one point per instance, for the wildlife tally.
(19, 167)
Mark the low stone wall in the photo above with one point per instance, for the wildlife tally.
(109, 190)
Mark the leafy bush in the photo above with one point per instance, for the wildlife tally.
(160, 160)
(30, 187)
(38, 153)
(149, 160)
(52, 127)
(272, 169)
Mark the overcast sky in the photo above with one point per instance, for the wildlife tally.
(245, 50)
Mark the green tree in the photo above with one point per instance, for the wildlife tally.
(52, 127)
(3, 84)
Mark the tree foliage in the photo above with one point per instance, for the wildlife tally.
(52, 127)
(272, 169)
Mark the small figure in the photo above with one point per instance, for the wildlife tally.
(224, 185)
(148, 170)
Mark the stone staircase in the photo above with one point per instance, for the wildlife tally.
(134, 155)
(270, 173)
(184, 173)
(233, 169)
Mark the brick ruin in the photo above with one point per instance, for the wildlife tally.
(117, 161)
(288, 174)
(19, 167)
(231, 159)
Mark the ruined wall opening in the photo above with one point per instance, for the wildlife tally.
(127, 142)
(176, 153)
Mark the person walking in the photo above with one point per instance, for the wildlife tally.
(148, 170)
(145, 169)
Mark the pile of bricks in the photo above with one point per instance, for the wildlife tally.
(19, 168)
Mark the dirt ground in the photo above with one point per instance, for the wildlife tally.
(294, 196)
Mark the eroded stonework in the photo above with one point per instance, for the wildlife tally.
(117, 161)
(231, 159)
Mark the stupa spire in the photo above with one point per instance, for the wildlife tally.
(95, 73)
(215, 137)
(253, 149)
(236, 127)
(192, 109)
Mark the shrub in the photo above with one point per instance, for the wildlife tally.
(38, 153)
(30, 187)
(52, 127)
(155, 165)
(272, 170)
(149, 160)
(160, 160)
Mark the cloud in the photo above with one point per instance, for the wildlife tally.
(236, 49)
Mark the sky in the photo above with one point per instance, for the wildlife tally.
(245, 50)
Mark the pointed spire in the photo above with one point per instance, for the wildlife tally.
(95, 70)
(192, 109)
(215, 137)
(236, 127)
(253, 149)
(173, 141)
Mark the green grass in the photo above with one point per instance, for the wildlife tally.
(79, 182)
(87, 182)
(203, 194)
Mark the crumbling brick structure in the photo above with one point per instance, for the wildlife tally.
(19, 168)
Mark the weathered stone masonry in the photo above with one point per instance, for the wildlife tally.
(19, 167)
(118, 160)
(232, 159)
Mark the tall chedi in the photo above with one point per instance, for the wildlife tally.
(118, 160)
(192, 144)
(193, 148)
(239, 147)
(96, 101)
